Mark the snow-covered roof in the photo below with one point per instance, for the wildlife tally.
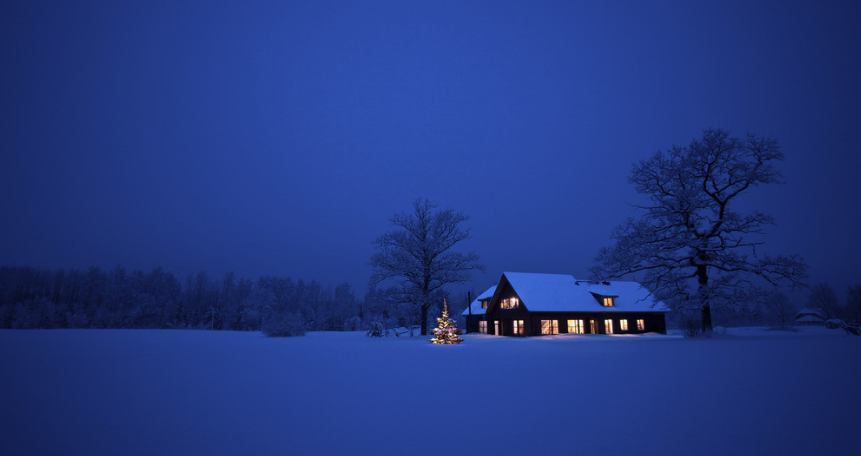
(563, 293)
(476, 304)
(809, 319)
(817, 312)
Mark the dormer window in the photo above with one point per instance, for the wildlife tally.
(484, 304)
(509, 303)
(607, 301)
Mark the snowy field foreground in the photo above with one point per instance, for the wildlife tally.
(158, 392)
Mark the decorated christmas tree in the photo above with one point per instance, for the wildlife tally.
(446, 330)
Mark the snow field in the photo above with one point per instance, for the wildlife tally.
(147, 392)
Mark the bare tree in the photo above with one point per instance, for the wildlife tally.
(822, 296)
(417, 256)
(688, 230)
(781, 309)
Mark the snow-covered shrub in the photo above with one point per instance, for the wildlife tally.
(692, 327)
(377, 329)
(284, 325)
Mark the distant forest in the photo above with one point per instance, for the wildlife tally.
(32, 298)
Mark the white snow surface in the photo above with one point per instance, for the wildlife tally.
(163, 392)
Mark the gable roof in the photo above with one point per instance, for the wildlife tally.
(563, 293)
(476, 304)
(815, 312)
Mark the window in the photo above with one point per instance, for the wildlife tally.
(575, 326)
(641, 325)
(509, 303)
(607, 301)
(496, 328)
(518, 327)
(484, 304)
(608, 326)
(623, 325)
(549, 327)
(482, 327)
(592, 327)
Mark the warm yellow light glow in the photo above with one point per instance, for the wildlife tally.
(608, 301)
(575, 326)
(641, 325)
(608, 326)
(482, 327)
(446, 330)
(623, 325)
(509, 303)
(518, 327)
(549, 327)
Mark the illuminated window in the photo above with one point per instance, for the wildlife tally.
(608, 326)
(518, 327)
(549, 327)
(484, 304)
(482, 327)
(509, 303)
(593, 329)
(623, 325)
(641, 325)
(575, 326)
(607, 301)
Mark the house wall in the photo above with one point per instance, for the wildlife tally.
(472, 323)
(653, 322)
(506, 317)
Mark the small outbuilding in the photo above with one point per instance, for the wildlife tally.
(528, 304)
(810, 317)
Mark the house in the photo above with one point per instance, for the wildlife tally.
(526, 304)
(810, 317)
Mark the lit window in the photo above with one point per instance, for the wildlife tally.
(641, 325)
(482, 327)
(484, 304)
(509, 303)
(518, 327)
(608, 301)
(575, 326)
(623, 325)
(549, 327)
(608, 326)
(592, 327)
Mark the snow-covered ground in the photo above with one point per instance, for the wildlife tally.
(157, 392)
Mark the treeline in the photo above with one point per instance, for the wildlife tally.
(40, 298)
(776, 309)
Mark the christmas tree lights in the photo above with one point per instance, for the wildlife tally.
(446, 330)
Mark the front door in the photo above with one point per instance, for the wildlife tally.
(592, 328)
(496, 328)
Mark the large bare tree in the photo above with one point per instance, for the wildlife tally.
(417, 257)
(689, 231)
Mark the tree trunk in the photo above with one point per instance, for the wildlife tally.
(706, 311)
(703, 294)
(424, 321)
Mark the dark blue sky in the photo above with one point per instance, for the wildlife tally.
(279, 137)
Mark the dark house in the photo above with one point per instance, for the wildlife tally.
(525, 304)
(810, 317)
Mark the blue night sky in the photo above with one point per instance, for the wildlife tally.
(279, 137)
